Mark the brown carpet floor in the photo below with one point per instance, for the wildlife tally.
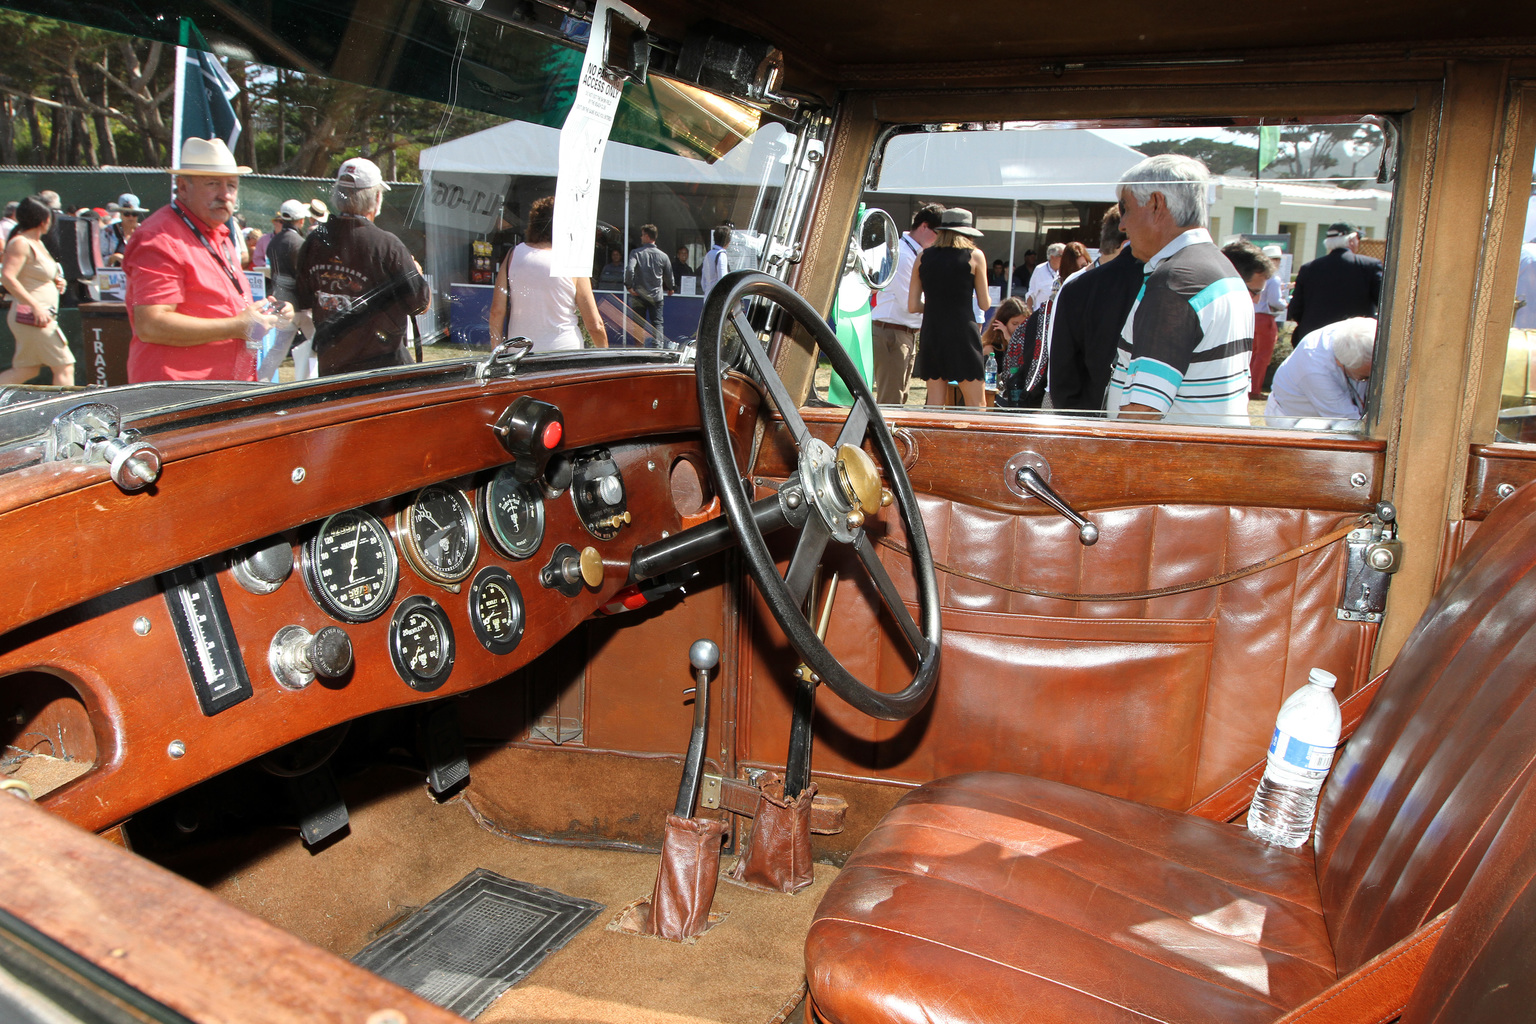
(404, 849)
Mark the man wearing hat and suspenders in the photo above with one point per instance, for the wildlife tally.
(188, 301)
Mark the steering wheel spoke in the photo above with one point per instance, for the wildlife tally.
(889, 595)
(807, 556)
(770, 379)
(841, 481)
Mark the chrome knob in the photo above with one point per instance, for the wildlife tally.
(703, 655)
(133, 465)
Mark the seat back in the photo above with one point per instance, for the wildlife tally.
(1482, 969)
(1420, 790)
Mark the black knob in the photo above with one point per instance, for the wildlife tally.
(530, 430)
(330, 652)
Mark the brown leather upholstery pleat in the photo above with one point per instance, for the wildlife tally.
(1484, 969)
(983, 894)
(1417, 795)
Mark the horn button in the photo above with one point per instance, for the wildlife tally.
(843, 484)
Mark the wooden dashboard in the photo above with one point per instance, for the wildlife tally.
(90, 608)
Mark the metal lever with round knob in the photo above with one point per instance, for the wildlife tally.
(296, 656)
(703, 656)
(1035, 484)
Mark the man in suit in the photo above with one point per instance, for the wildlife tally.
(1337, 285)
(1090, 312)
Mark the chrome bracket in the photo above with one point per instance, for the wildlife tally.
(503, 360)
(1375, 554)
(92, 433)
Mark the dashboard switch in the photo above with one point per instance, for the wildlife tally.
(296, 656)
(530, 430)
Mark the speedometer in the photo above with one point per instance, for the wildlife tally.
(438, 534)
(350, 567)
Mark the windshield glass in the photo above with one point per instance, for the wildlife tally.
(1042, 202)
(393, 183)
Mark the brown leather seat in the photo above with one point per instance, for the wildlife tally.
(991, 897)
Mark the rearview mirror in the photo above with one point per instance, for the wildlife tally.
(872, 250)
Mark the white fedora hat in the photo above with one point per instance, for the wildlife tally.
(207, 157)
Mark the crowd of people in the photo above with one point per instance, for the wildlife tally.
(1188, 329)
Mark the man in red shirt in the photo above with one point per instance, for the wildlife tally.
(188, 301)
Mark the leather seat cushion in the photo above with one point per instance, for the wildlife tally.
(986, 895)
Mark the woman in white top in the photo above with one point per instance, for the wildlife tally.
(529, 302)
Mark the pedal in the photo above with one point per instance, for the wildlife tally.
(442, 747)
(322, 811)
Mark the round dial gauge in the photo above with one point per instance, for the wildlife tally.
(496, 610)
(350, 567)
(421, 643)
(514, 514)
(438, 535)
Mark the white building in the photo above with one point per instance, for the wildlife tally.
(1302, 210)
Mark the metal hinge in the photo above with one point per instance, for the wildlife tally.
(1375, 554)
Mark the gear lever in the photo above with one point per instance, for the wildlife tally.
(704, 655)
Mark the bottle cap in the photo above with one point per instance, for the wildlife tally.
(1322, 677)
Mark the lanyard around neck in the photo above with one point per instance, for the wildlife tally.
(217, 257)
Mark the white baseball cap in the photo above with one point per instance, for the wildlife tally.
(360, 172)
(293, 210)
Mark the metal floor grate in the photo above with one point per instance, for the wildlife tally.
(476, 940)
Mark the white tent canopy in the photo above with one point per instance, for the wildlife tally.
(1052, 164)
(519, 147)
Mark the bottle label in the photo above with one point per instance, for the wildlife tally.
(1312, 758)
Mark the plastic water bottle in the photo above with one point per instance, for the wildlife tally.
(1300, 754)
(991, 371)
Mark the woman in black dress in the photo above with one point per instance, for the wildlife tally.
(944, 279)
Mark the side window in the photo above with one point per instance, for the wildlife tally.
(1517, 398)
(1021, 299)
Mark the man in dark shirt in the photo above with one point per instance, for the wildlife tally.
(680, 267)
(649, 277)
(1090, 310)
(283, 249)
(1336, 286)
(359, 280)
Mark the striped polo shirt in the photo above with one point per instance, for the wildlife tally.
(1185, 345)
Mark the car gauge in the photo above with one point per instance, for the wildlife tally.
(421, 643)
(438, 534)
(514, 514)
(496, 610)
(350, 567)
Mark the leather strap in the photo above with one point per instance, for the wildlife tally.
(1232, 799)
(1143, 595)
(1377, 990)
(740, 797)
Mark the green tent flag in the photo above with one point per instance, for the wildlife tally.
(1269, 144)
(855, 331)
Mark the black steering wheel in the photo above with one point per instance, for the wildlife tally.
(839, 482)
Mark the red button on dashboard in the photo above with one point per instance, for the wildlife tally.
(552, 433)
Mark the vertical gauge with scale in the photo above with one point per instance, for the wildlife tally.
(438, 534)
(514, 514)
(350, 567)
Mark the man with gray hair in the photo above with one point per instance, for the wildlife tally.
(1325, 376)
(1044, 278)
(1337, 285)
(358, 280)
(1184, 346)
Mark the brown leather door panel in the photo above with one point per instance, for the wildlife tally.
(1161, 700)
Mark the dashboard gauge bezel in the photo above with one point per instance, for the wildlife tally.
(416, 556)
(311, 569)
(532, 493)
(495, 575)
(420, 605)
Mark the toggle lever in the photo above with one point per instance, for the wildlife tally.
(1035, 484)
(704, 655)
